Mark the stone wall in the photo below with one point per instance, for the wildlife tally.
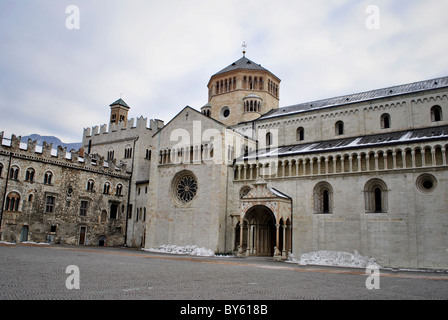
(50, 208)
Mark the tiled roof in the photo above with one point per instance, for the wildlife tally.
(243, 63)
(119, 102)
(358, 97)
(391, 138)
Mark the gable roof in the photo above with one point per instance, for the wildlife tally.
(194, 110)
(358, 97)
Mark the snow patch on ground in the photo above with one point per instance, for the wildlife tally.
(7, 243)
(191, 250)
(25, 242)
(334, 258)
(36, 243)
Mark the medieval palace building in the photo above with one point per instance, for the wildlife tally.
(363, 172)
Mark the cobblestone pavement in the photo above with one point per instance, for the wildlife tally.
(39, 272)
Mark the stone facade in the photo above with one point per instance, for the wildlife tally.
(241, 92)
(57, 196)
(364, 172)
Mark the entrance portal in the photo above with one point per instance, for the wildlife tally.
(258, 236)
(24, 234)
(265, 224)
(102, 241)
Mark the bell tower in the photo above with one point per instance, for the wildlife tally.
(242, 91)
(119, 112)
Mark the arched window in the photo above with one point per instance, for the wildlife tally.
(14, 173)
(106, 188)
(110, 155)
(128, 152)
(1, 169)
(375, 196)
(300, 134)
(268, 139)
(103, 217)
(90, 185)
(244, 191)
(339, 128)
(29, 175)
(436, 114)
(323, 198)
(385, 121)
(378, 199)
(48, 177)
(326, 201)
(12, 202)
(119, 189)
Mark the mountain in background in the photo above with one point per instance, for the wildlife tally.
(51, 139)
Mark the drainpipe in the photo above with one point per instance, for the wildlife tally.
(5, 191)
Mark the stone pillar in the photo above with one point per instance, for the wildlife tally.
(248, 240)
(433, 155)
(277, 253)
(443, 156)
(284, 242)
(255, 237)
(240, 247)
(394, 159)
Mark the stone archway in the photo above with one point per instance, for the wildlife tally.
(102, 241)
(265, 222)
(258, 235)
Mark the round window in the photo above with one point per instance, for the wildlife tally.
(225, 112)
(426, 183)
(185, 187)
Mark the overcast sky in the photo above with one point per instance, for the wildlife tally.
(57, 79)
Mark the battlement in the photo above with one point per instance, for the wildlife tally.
(59, 156)
(121, 130)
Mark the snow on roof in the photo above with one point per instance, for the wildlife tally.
(408, 136)
(278, 193)
(6, 142)
(358, 97)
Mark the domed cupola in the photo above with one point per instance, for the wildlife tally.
(242, 91)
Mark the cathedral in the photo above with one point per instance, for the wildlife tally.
(363, 172)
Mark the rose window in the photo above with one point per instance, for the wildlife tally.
(186, 188)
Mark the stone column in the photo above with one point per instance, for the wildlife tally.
(433, 155)
(284, 241)
(248, 240)
(443, 156)
(240, 247)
